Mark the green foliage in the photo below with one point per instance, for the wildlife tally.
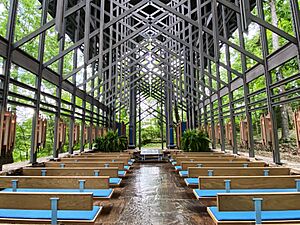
(4, 9)
(23, 141)
(111, 142)
(195, 141)
(150, 134)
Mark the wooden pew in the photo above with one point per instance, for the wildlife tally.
(76, 183)
(196, 153)
(238, 171)
(94, 160)
(245, 182)
(186, 164)
(123, 155)
(112, 172)
(178, 165)
(203, 156)
(210, 158)
(71, 171)
(254, 207)
(81, 202)
(104, 153)
(101, 158)
(101, 155)
(195, 172)
(98, 157)
(175, 155)
(120, 165)
(209, 187)
(91, 155)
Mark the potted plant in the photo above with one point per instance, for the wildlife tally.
(111, 142)
(195, 141)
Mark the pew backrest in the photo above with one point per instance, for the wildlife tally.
(248, 182)
(100, 156)
(71, 171)
(120, 165)
(271, 201)
(35, 201)
(56, 182)
(95, 160)
(104, 153)
(186, 164)
(207, 159)
(237, 171)
(195, 154)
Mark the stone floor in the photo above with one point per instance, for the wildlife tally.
(152, 195)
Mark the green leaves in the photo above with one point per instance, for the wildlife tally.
(195, 141)
(111, 142)
(151, 133)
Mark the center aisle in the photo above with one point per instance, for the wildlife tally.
(154, 195)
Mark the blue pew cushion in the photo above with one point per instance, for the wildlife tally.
(97, 193)
(178, 168)
(215, 192)
(122, 173)
(174, 163)
(184, 173)
(115, 181)
(250, 215)
(126, 167)
(191, 181)
(46, 214)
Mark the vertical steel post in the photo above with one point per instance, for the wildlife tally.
(191, 70)
(54, 209)
(86, 51)
(56, 150)
(100, 50)
(258, 209)
(38, 84)
(229, 76)
(265, 51)
(132, 105)
(245, 86)
(140, 122)
(217, 58)
(10, 30)
(161, 117)
(73, 98)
